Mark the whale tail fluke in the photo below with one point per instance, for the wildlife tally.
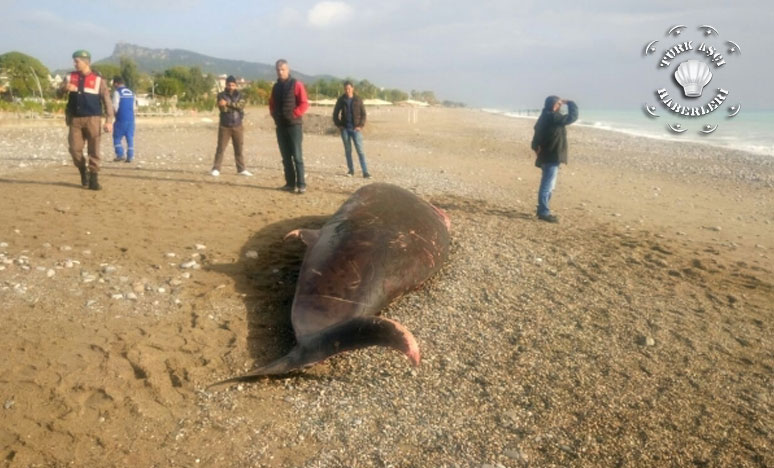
(357, 333)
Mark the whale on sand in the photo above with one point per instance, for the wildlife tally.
(382, 242)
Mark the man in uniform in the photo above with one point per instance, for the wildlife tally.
(87, 94)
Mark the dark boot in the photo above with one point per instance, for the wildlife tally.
(94, 181)
(84, 176)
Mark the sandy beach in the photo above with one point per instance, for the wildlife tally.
(636, 332)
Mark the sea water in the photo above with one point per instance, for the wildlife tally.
(749, 130)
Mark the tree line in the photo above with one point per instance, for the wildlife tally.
(23, 76)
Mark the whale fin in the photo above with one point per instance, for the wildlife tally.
(307, 236)
(357, 333)
(362, 332)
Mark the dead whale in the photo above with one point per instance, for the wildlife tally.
(381, 243)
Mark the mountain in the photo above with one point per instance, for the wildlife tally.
(157, 60)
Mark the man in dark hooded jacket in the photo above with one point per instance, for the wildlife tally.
(550, 146)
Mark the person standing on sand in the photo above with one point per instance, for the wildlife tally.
(349, 115)
(87, 93)
(550, 146)
(123, 106)
(287, 105)
(231, 104)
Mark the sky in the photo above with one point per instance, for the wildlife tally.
(505, 54)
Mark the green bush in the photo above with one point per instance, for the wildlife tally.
(55, 106)
(202, 105)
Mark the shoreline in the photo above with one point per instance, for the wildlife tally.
(7, 120)
(758, 150)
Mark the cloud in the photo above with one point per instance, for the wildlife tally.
(324, 14)
(287, 17)
(45, 20)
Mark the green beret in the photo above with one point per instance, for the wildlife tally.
(84, 54)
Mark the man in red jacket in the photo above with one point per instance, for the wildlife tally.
(287, 105)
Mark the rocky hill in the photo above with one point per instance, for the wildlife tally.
(156, 60)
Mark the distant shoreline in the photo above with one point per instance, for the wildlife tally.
(754, 149)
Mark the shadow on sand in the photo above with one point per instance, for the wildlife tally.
(268, 283)
(73, 184)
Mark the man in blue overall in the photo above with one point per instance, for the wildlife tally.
(123, 104)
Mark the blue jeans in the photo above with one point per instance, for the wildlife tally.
(348, 136)
(547, 184)
(124, 129)
(289, 140)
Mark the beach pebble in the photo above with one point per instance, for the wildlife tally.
(251, 254)
(200, 246)
(65, 248)
(189, 264)
(50, 273)
(117, 296)
(186, 275)
(8, 404)
(3, 244)
(131, 296)
(107, 269)
(171, 254)
(162, 290)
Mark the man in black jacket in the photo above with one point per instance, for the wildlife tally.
(231, 105)
(349, 116)
(550, 146)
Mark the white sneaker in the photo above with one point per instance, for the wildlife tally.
(245, 173)
(215, 173)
